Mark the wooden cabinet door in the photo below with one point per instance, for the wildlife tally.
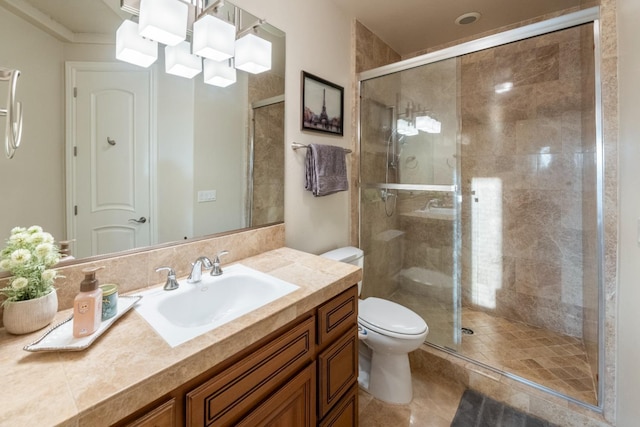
(228, 396)
(293, 405)
(162, 416)
(337, 371)
(337, 316)
(345, 413)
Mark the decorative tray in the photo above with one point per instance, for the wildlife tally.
(60, 337)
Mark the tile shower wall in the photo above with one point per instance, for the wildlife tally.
(384, 260)
(369, 52)
(522, 160)
(268, 164)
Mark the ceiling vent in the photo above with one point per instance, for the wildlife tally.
(467, 18)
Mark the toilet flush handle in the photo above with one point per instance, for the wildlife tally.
(362, 333)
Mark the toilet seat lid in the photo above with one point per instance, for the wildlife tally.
(388, 316)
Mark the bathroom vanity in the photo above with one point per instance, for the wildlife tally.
(294, 361)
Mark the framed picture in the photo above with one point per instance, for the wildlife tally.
(322, 105)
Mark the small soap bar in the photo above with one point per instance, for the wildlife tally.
(109, 301)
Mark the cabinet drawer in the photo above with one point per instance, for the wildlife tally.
(162, 416)
(336, 316)
(337, 371)
(292, 405)
(229, 395)
(345, 413)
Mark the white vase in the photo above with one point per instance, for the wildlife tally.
(22, 317)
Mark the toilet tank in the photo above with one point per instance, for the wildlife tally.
(349, 255)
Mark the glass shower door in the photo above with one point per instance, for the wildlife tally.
(409, 215)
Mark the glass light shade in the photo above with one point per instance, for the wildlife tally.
(253, 54)
(219, 73)
(164, 21)
(132, 48)
(428, 124)
(213, 38)
(402, 126)
(179, 61)
(411, 130)
(503, 87)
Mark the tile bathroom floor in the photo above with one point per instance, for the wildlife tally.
(545, 357)
(434, 404)
(553, 360)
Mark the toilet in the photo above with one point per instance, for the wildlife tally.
(387, 332)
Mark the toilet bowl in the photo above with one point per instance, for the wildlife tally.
(388, 332)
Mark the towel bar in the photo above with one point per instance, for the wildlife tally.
(297, 146)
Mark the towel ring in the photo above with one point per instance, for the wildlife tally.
(13, 113)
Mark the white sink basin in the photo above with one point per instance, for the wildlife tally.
(196, 308)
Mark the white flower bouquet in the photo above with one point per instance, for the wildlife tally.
(29, 255)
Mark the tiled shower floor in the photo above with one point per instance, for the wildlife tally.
(544, 357)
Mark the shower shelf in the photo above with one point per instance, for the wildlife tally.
(414, 187)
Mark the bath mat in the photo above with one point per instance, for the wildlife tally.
(477, 410)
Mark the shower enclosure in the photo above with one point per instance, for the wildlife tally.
(481, 199)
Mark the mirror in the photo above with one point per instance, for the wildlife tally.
(180, 158)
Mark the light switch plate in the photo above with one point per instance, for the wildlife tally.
(207, 196)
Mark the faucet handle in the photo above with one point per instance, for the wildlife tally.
(216, 270)
(219, 254)
(171, 282)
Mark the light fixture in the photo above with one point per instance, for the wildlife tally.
(411, 130)
(213, 38)
(132, 48)
(221, 44)
(253, 54)
(405, 127)
(179, 61)
(220, 74)
(164, 21)
(428, 124)
(503, 87)
(402, 126)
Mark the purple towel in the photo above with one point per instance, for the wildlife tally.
(325, 170)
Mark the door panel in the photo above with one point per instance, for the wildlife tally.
(111, 181)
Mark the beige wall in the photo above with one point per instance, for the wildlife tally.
(628, 348)
(35, 176)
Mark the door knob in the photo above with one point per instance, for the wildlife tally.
(141, 220)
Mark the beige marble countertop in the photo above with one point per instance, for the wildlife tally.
(131, 365)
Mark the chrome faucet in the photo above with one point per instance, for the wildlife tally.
(433, 203)
(216, 270)
(196, 271)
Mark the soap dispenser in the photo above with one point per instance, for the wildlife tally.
(87, 305)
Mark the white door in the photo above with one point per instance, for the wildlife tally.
(111, 169)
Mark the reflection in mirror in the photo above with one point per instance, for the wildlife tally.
(119, 156)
